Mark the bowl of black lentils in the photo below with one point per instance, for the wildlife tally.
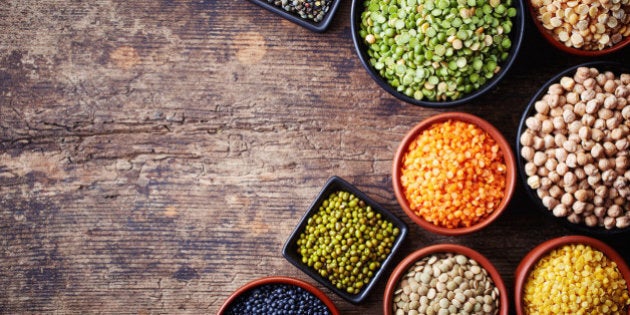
(315, 15)
(572, 147)
(445, 279)
(345, 240)
(437, 53)
(278, 295)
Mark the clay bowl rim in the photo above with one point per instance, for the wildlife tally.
(280, 280)
(408, 261)
(571, 50)
(508, 154)
(534, 255)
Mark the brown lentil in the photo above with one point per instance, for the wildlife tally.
(446, 283)
(575, 279)
(590, 158)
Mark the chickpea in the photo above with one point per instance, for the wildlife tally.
(528, 153)
(542, 107)
(578, 207)
(570, 179)
(614, 211)
(567, 199)
(609, 222)
(531, 169)
(591, 221)
(582, 195)
(533, 181)
(622, 222)
(527, 138)
(560, 210)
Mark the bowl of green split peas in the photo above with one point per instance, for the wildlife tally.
(345, 240)
(437, 53)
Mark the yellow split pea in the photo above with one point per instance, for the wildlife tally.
(575, 279)
(454, 174)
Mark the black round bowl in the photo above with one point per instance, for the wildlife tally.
(516, 36)
(616, 68)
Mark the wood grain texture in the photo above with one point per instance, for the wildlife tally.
(155, 155)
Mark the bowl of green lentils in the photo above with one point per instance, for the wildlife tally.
(437, 53)
(345, 240)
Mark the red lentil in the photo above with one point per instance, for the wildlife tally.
(454, 174)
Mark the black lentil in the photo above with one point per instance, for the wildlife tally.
(270, 299)
(314, 10)
(346, 241)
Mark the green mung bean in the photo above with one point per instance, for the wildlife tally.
(448, 39)
(346, 241)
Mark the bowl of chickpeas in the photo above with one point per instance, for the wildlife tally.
(583, 28)
(445, 279)
(345, 240)
(573, 142)
(437, 53)
(572, 274)
(454, 173)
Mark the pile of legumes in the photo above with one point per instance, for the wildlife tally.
(314, 10)
(437, 50)
(272, 299)
(346, 241)
(587, 25)
(453, 174)
(576, 148)
(445, 283)
(575, 279)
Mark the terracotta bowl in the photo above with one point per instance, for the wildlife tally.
(484, 125)
(516, 36)
(529, 111)
(571, 50)
(279, 280)
(530, 260)
(289, 251)
(408, 261)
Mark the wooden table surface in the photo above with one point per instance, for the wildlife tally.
(155, 155)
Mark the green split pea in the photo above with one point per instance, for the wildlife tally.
(437, 50)
(346, 241)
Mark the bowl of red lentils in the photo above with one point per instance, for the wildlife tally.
(573, 142)
(584, 28)
(454, 173)
(345, 240)
(278, 295)
(572, 275)
(445, 279)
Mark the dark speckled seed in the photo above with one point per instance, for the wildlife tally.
(277, 299)
(314, 10)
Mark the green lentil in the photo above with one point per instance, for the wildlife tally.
(346, 241)
(448, 39)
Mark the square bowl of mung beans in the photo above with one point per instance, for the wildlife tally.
(345, 240)
(314, 15)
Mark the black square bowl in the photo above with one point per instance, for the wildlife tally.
(318, 27)
(290, 249)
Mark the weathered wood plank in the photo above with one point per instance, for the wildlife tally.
(155, 155)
